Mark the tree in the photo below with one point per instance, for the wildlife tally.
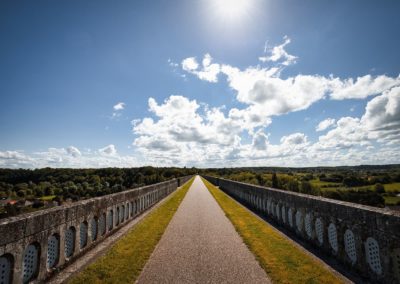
(260, 179)
(379, 188)
(306, 187)
(293, 185)
(275, 181)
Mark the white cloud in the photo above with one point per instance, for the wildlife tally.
(263, 87)
(325, 124)
(73, 151)
(70, 157)
(380, 123)
(279, 54)
(119, 106)
(187, 132)
(208, 72)
(294, 139)
(362, 87)
(181, 131)
(190, 64)
(108, 150)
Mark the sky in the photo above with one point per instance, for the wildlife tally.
(204, 83)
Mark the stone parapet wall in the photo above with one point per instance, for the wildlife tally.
(365, 240)
(36, 245)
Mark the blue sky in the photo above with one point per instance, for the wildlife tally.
(101, 83)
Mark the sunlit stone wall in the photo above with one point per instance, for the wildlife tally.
(36, 245)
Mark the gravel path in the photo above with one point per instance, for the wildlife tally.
(200, 245)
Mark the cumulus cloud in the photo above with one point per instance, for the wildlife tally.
(73, 151)
(279, 54)
(108, 150)
(190, 64)
(383, 112)
(361, 87)
(380, 123)
(294, 139)
(181, 131)
(325, 124)
(119, 106)
(264, 87)
(70, 157)
(208, 72)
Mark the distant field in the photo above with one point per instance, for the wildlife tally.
(47, 197)
(392, 200)
(392, 187)
(317, 182)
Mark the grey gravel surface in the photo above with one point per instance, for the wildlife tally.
(200, 245)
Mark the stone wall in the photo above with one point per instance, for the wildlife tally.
(365, 240)
(36, 245)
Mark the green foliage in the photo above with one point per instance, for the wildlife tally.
(362, 184)
(76, 184)
(379, 188)
(275, 182)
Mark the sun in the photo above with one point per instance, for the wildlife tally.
(231, 11)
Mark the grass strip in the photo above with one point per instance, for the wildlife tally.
(279, 257)
(126, 259)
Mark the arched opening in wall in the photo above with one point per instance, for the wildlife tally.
(30, 262)
(69, 242)
(332, 237)
(372, 255)
(299, 221)
(102, 224)
(308, 225)
(6, 268)
(53, 251)
(110, 220)
(278, 212)
(122, 213)
(136, 207)
(83, 232)
(117, 217)
(273, 209)
(269, 206)
(132, 209)
(319, 230)
(290, 217)
(127, 211)
(283, 214)
(93, 228)
(350, 245)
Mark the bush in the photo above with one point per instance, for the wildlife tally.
(379, 188)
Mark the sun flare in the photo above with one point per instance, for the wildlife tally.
(232, 11)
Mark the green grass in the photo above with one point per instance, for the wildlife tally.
(392, 187)
(392, 200)
(47, 197)
(280, 258)
(317, 182)
(125, 260)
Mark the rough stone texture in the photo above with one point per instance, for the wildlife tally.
(200, 245)
(364, 221)
(18, 232)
